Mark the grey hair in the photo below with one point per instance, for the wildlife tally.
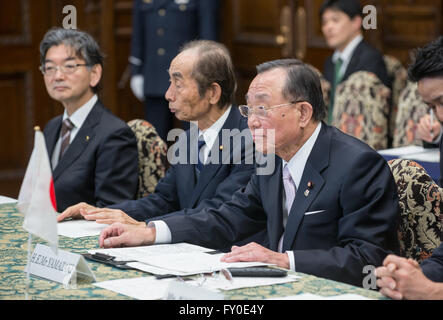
(83, 44)
(301, 83)
(214, 65)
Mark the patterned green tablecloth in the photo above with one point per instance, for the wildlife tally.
(13, 258)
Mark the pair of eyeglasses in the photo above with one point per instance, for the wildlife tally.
(65, 69)
(261, 111)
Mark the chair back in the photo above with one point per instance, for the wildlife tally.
(325, 85)
(361, 108)
(410, 109)
(420, 200)
(399, 77)
(151, 156)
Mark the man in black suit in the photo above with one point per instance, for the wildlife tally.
(427, 71)
(93, 153)
(402, 278)
(201, 90)
(160, 28)
(329, 206)
(342, 29)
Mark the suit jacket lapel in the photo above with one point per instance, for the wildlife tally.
(353, 62)
(51, 139)
(275, 216)
(317, 162)
(211, 169)
(82, 139)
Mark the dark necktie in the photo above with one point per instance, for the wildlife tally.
(290, 191)
(199, 166)
(337, 79)
(67, 126)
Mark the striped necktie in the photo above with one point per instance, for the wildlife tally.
(199, 166)
(67, 126)
(290, 191)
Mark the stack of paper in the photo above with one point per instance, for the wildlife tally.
(176, 259)
(79, 228)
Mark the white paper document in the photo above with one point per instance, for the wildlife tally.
(217, 283)
(416, 153)
(144, 288)
(149, 288)
(402, 151)
(79, 228)
(310, 296)
(429, 156)
(5, 200)
(176, 259)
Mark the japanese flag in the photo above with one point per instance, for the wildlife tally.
(36, 200)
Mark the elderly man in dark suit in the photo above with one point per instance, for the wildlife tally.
(330, 205)
(342, 29)
(93, 153)
(160, 28)
(201, 90)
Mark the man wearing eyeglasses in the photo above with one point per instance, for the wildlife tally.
(330, 206)
(93, 153)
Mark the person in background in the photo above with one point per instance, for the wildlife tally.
(201, 90)
(401, 278)
(159, 29)
(427, 71)
(342, 28)
(93, 153)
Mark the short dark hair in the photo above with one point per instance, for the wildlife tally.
(428, 61)
(301, 83)
(214, 65)
(350, 7)
(84, 45)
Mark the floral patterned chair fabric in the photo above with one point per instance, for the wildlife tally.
(151, 156)
(361, 108)
(420, 228)
(325, 86)
(410, 109)
(399, 77)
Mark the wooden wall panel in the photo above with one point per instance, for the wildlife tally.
(251, 29)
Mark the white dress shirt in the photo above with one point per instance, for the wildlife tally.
(77, 118)
(346, 54)
(210, 135)
(296, 168)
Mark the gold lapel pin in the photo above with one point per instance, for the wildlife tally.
(310, 186)
(87, 138)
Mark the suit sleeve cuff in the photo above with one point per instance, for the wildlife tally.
(162, 232)
(291, 260)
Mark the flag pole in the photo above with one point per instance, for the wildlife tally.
(28, 278)
(29, 265)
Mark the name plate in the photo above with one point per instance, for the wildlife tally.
(63, 267)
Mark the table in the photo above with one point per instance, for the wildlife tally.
(13, 245)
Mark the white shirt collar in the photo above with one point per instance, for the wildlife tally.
(346, 54)
(210, 134)
(297, 163)
(80, 115)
